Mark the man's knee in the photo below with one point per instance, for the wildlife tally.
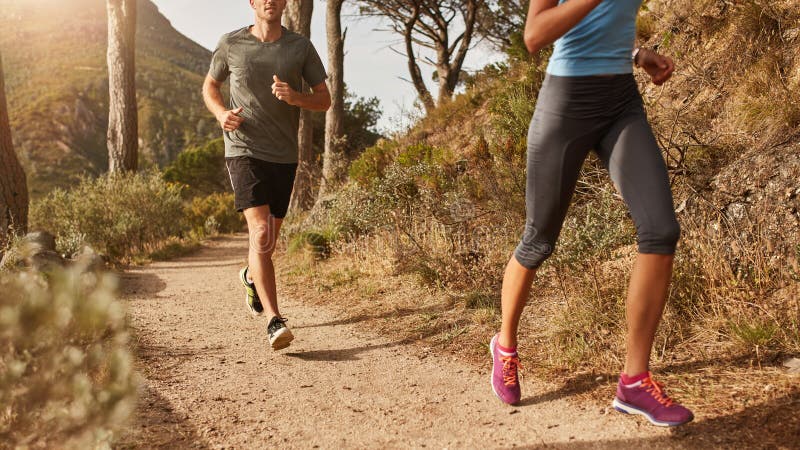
(262, 237)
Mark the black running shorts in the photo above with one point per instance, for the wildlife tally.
(258, 183)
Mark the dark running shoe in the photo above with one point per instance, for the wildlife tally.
(251, 297)
(279, 335)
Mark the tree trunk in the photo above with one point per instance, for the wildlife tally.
(123, 125)
(13, 185)
(450, 61)
(335, 161)
(297, 18)
(430, 24)
(413, 67)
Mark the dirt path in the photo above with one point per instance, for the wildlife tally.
(211, 380)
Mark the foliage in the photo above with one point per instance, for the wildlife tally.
(58, 89)
(372, 163)
(316, 243)
(214, 213)
(117, 215)
(201, 169)
(68, 379)
(361, 117)
(501, 21)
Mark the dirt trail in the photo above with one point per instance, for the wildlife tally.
(212, 382)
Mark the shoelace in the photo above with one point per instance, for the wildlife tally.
(510, 367)
(656, 389)
(275, 323)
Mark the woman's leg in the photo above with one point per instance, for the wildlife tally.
(647, 295)
(637, 168)
(557, 147)
(635, 163)
(517, 282)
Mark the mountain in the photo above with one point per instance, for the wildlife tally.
(54, 54)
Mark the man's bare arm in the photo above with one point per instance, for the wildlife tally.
(229, 120)
(318, 100)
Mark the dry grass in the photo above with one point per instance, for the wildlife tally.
(430, 270)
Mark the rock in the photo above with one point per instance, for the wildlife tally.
(89, 260)
(35, 250)
(793, 364)
(45, 261)
(40, 240)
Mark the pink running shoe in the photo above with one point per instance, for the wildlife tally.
(505, 379)
(647, 397)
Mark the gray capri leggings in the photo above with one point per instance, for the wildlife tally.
(573, 116)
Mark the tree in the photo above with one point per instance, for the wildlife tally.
(361, 116)
(123, 126)
(297, 18)
(13, 184)
(334, 160)
(432, 24)
(503, 22)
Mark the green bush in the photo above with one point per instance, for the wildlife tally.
(593, 229)
(119, 215)
(214, 213)
(372, 163)
(512, 106)
(67, 377)
(201, 169)
(316, 243)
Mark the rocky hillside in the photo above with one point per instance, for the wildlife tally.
(729, 120)
(445, 201)
(57, 87)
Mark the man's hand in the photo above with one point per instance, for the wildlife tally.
(659, 67)
(230, 120)
(283, 91)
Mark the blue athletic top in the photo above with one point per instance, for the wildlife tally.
(599, 44)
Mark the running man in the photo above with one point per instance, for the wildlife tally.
(266, 64)
(590, 101)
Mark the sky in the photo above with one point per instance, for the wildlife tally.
(372, 68)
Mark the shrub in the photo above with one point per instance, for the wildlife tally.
(67, 377)
(512, 107)
(593, 229)
(118, 215)
(316, 243)
(201, 169)
(372, 163)
(214, 213)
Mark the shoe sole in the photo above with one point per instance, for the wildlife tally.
(491, 382)
(282, 339)
(247, 296)
(625, 408)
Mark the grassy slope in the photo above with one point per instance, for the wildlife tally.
(54, 55)
(730, 124)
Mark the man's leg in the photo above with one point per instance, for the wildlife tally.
(263, 229)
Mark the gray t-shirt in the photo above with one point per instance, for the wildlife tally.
(269, 131)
